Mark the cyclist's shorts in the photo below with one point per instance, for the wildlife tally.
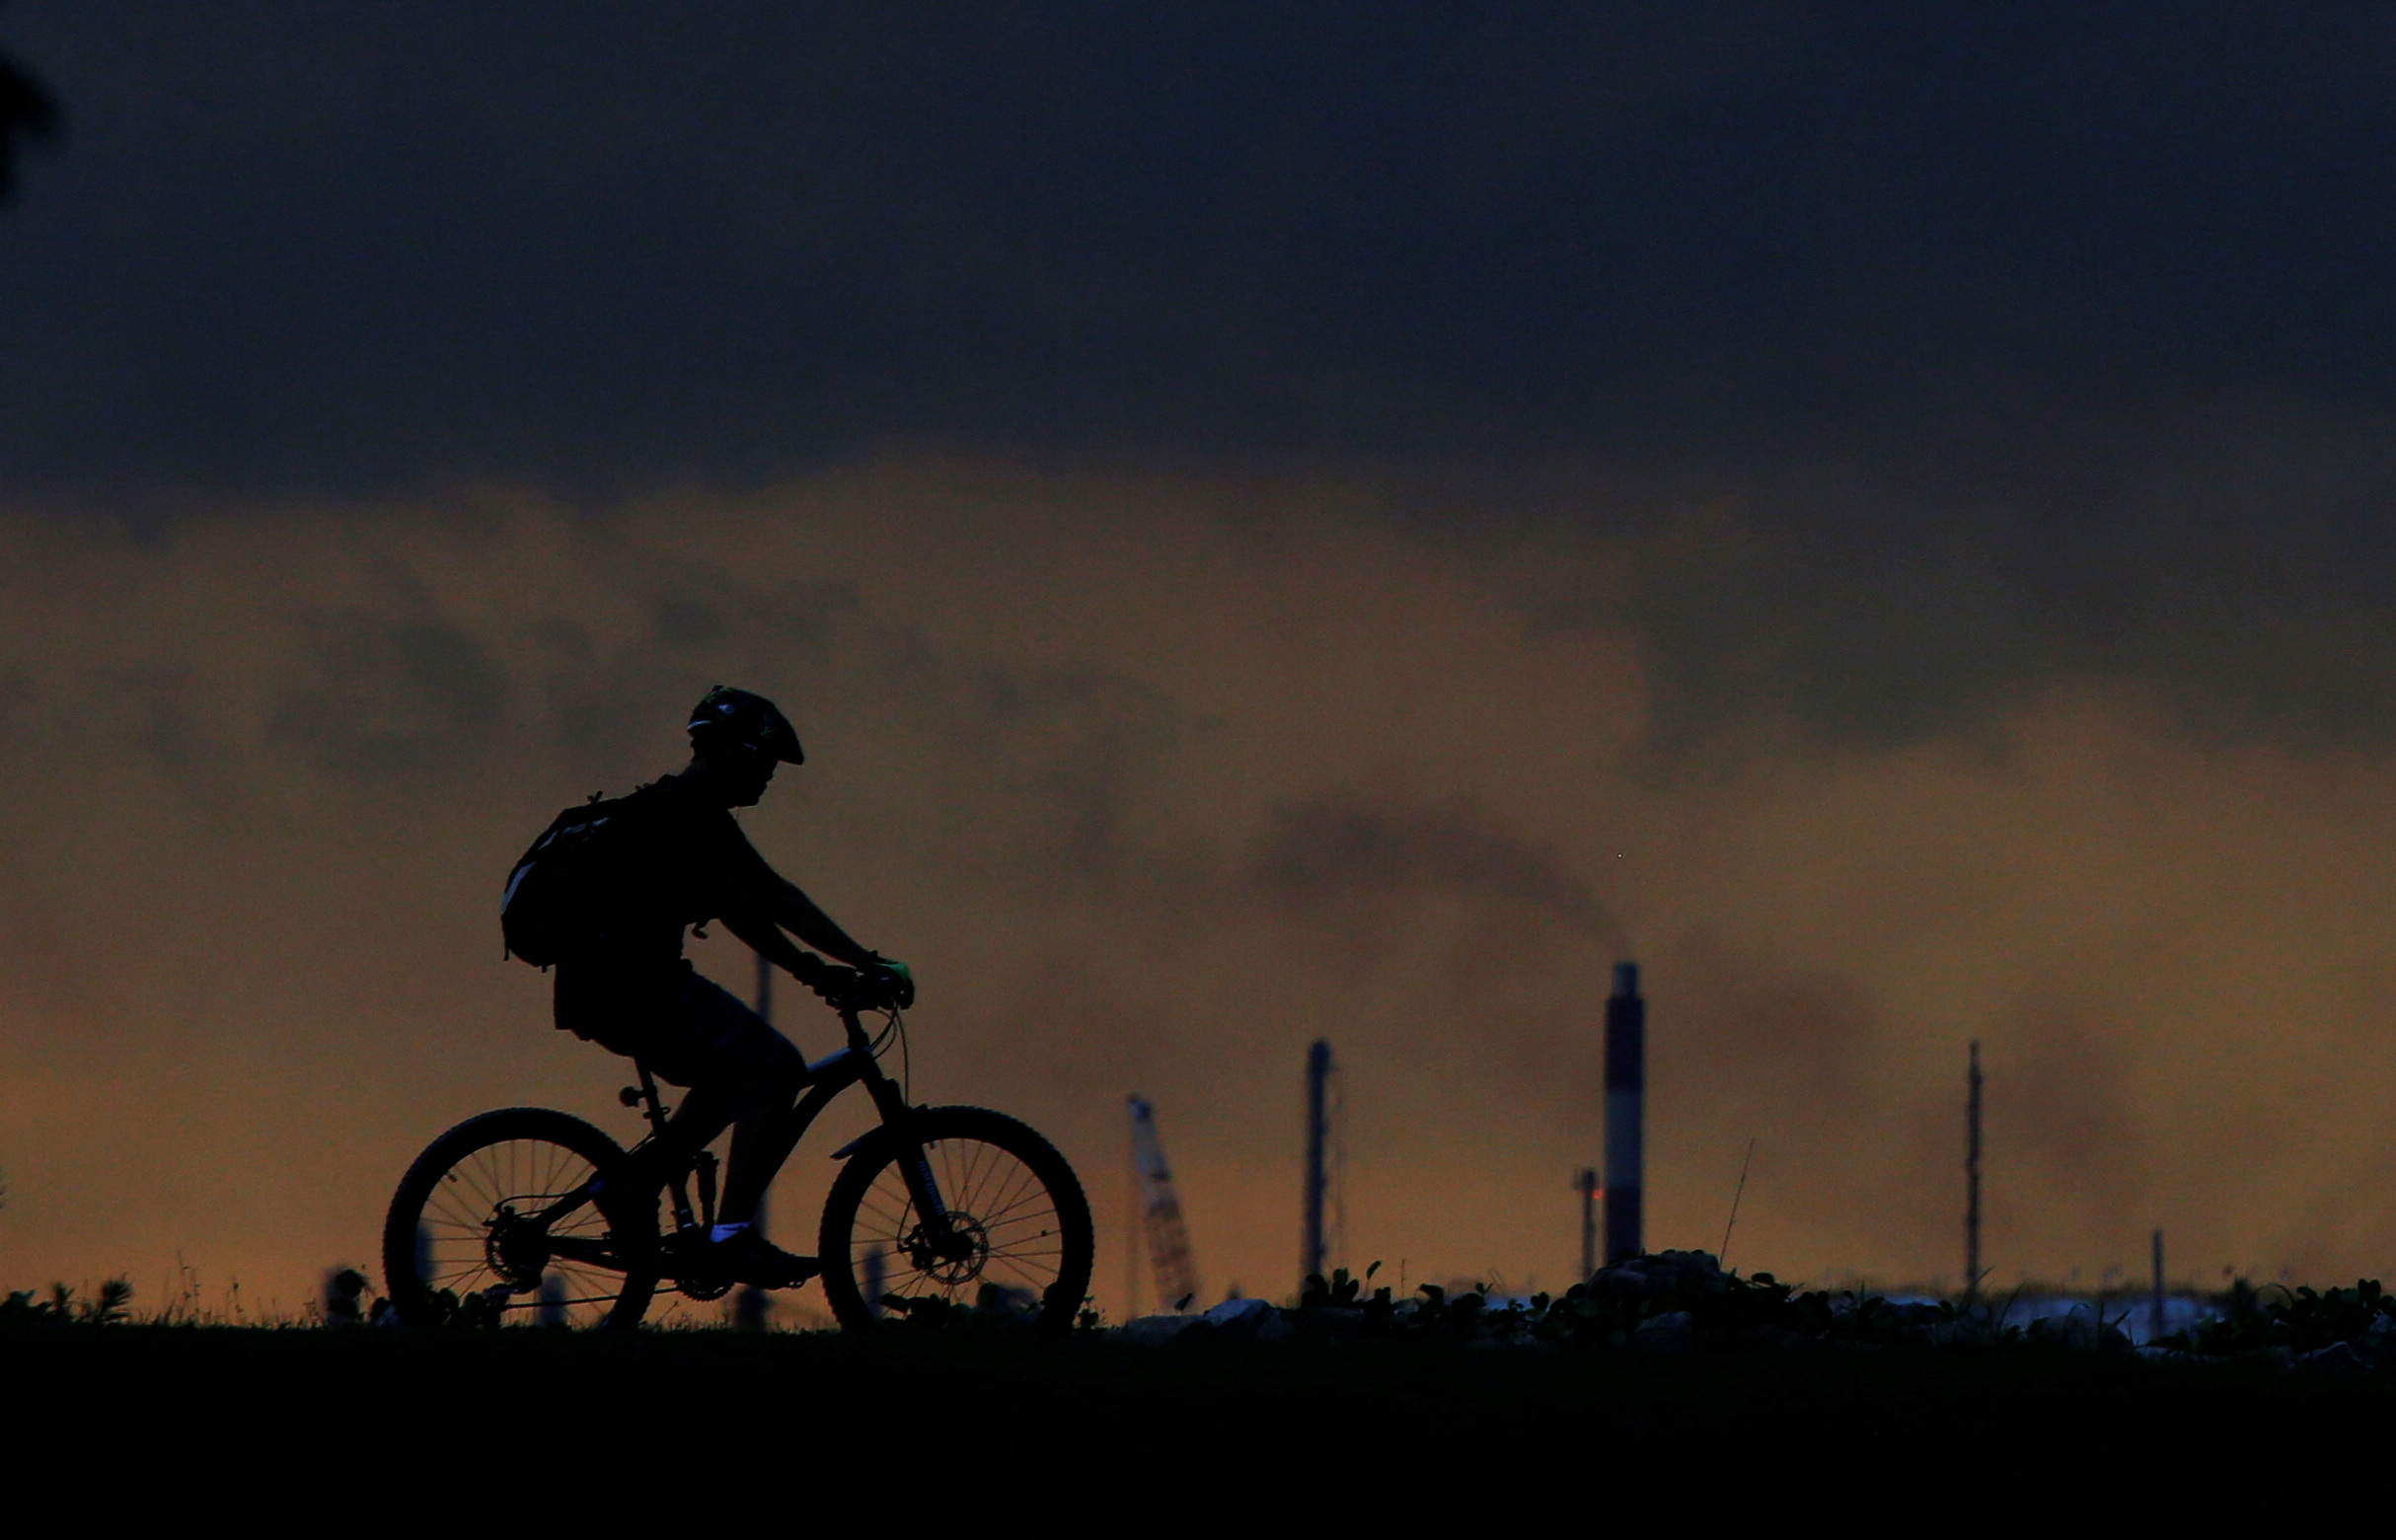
(684, 1026)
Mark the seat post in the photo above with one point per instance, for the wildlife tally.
(653, 1108)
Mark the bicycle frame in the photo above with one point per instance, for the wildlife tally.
(827, 1078)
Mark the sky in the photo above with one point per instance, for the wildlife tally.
(1273, 523)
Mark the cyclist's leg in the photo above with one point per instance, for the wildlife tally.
(636, 1009)
(741, 1074)
(760, 1142)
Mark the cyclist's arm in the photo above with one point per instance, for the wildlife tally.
(766, 899)
(796, 912)
(767, 938)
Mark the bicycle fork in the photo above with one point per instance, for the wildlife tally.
(915, 1166)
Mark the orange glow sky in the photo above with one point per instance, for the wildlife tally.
(1149, 808)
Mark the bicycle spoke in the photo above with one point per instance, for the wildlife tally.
(993, 1217)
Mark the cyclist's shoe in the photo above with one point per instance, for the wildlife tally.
(744, 1257)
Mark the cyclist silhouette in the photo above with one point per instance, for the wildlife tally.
(675, 859)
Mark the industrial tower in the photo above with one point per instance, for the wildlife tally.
(1169, 1238)
(1320, 1239)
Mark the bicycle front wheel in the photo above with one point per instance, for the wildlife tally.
(475, 1232)
(1020, 1222)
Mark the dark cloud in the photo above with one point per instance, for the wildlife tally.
(157, 709)
(2015, 342)
(389, 696)
(1320, 853)
(400, 240)
(27, 113)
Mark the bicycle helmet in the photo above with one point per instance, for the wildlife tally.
(740, 719)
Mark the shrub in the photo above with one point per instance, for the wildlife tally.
(105, 1308)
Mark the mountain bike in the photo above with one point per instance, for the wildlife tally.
(535, 1216)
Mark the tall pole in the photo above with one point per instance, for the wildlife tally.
(1972, 1266)
(1318, 1076)
(1626, 1113)
(1585, 1182)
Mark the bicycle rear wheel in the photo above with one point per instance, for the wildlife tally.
(465, 1226)
(1008, 1194)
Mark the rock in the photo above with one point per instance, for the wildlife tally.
(1248, 1320)
(1154, 1331)
(1668, 1275)
(1238, 1311)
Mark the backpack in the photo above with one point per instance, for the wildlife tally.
(556, 895)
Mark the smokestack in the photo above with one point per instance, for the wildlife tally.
(1626, 1113)
(1318, 1077)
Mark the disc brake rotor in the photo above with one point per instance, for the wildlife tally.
(960, 1261)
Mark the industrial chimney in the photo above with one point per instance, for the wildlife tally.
(1319, 1127)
